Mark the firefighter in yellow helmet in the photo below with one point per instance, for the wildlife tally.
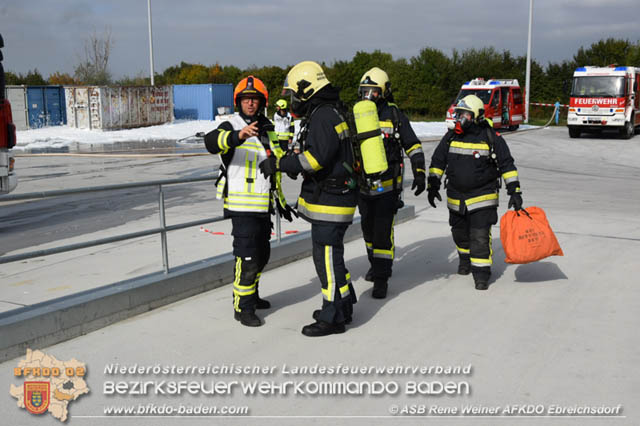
(474, 157)
(242, 143)
(378, 208)
(283, 122)
(327, 200)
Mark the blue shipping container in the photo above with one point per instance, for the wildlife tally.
(200, 101)
(46, 106)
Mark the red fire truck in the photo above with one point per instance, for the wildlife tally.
(503, 101)
(604, 98)
(8, 179)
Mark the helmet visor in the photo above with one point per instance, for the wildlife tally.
(369, 92)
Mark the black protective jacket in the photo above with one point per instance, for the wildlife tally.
(472, 175)
(325, 195)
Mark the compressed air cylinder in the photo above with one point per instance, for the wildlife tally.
(374, 158)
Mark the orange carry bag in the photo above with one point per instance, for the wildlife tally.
(527, 237)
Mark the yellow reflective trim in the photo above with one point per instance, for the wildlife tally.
(328, 266)
(469, 145)
(312, 161)
(317, 208)
(381, 251)
(507, 175)
(386, 123)
(249, 194)
(481, 261)
(414, 147)
(462, 250)
(344, 288)
(389, 182)
(368, 244)
(348, 276)
(245, 287)
(473, 200)
(452, 201)
(436, 171)
(247, 169)
(420, 170)
(342, 127)
(222, 141)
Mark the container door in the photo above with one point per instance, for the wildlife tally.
(36, 107)
(517, 106)
(54, 102)
(17, 95)
(222, 98)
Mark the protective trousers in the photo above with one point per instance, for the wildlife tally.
(377, 220)
(338, 295)
(472, 235)
(251, 248)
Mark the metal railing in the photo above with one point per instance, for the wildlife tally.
(162, 230)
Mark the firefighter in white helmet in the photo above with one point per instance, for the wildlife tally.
(474, 157)
(327, 200)
(378, 207)
(283, 122)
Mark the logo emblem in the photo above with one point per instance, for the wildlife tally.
(595, 108)
(36, 396)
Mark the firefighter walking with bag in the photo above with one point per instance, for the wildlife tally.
(474, 157)
(378, 205)
(327, 196)
(243, 142)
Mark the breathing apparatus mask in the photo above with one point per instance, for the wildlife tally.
(369, 93)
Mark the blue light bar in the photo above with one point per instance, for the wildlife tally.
(581, 69)
(466, 83)
(494, 82)
(620, 69)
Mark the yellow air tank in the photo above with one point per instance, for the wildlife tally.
(374, 158)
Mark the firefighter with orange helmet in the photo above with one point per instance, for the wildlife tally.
(243, 142)
(474, 157)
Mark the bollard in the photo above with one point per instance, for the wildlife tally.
(557, 105)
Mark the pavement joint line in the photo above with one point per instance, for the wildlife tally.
(47, 323)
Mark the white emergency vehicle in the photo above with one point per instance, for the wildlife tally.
(604, 98)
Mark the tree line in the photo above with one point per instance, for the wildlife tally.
(423, 85)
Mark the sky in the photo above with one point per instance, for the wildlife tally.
(49, 35)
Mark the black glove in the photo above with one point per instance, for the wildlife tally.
(286, 212)
(419, 183)
(515, 201)
(432, 194)
(269, 167)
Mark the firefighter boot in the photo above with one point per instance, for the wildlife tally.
(369, 275)
(316, 316)
(482, 284)
(321, 328)
(262, 303)
(248, 318)
(379, 289)
(464, 267)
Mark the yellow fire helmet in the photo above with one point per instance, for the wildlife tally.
(374, 78)
(282, 104)
(473, 104)
(304, 80)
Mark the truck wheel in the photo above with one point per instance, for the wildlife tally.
(514, 127)
(628, 130)
(574, 132)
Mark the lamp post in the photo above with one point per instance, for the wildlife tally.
(150, 41)
(528, 77)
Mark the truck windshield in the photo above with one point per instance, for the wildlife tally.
(606, 86)
(484, 94)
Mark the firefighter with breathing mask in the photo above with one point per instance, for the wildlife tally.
(327, 200)
(378, 206)
(474, 157)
